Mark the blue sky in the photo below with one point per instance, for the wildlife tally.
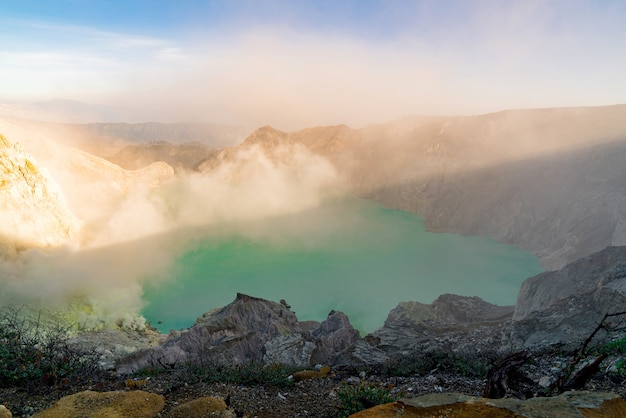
(294, 63)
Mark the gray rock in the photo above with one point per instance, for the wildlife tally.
(288, 349)
(334, 336)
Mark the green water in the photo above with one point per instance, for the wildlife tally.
(351, 255)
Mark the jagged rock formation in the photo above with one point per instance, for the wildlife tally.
(250, 329)
(569, 404)
(34, 212)
(454, 323)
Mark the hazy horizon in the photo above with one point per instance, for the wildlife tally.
(299, 64)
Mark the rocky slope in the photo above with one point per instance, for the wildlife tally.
(182, 157)
(34, 211)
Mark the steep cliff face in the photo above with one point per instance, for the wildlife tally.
(548, 180)
(34, 212)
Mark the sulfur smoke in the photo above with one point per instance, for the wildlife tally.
(136, 224)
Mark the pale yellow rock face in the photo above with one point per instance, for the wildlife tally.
(136, 404)
(34, 212)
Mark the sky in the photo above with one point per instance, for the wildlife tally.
(299, 63)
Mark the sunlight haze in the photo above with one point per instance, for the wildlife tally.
(307, 63)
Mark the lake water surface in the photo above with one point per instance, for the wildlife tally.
(351, 255)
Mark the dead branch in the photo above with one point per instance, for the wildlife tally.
(499, 376)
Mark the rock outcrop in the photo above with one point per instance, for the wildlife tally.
(560, 307)
(34, 211)
(567, 305)
(250, 330)
(569, 404)
(454, 323)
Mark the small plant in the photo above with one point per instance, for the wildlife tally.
(359, 397)
(616, 347)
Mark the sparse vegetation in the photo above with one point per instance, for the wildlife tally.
(248, 374)
(32, 355)
(473, 365)
(359, 397)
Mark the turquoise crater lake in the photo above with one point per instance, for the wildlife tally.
(351, 255)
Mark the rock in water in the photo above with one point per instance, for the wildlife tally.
(34, 212)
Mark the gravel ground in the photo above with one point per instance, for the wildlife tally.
(312, 398)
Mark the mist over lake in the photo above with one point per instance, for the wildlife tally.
(348, 254)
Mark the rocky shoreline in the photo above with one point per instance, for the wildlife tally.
(553, 309)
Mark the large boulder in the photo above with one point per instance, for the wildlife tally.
(136, 404)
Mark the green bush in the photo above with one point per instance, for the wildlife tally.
(616, 347)
(359, 397)
(32, 355)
